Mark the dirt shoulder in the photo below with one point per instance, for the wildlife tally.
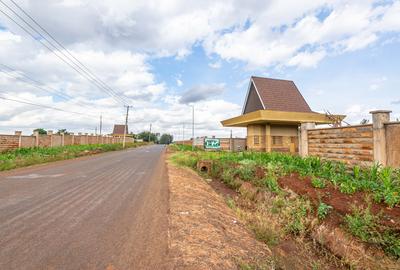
(204, 232)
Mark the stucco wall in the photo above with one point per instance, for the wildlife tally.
(393, 144)
(279, 138)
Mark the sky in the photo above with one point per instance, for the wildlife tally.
(165, 58)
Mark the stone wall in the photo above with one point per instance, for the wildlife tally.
(353, 144)
(361, 145)
(9, 142)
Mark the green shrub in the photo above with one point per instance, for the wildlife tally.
(271, 183)
(228, 177)
(297, 216)
(364, 225)
(318, 182)
(361, 223)
(323, 210)
(247, 169)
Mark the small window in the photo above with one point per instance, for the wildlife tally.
(256, 140)
(277, 140)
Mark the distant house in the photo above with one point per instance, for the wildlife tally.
(119, 130)
(272, 113)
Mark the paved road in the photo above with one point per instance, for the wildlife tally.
(107, 211)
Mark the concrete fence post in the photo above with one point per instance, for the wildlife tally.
(72, 138)
(50, 133)
(379, 118)
(36, 135)
(62, 139)
(19, 134)
(303, 144)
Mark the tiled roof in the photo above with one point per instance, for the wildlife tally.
(119, 129)
(280, 95)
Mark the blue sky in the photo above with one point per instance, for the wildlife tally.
(162, 56)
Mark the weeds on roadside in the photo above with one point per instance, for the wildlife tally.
(383, 182)
(35, 155)
(364, 225)
(323, 210)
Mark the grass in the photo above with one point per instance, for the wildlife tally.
(29, 156)
(383, 183)
(363, 224)
(295, 214)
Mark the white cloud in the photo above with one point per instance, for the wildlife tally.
(307, 59)
(215, 65)
(202, 92)
(118, 38)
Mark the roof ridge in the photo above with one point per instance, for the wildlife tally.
(268, 78)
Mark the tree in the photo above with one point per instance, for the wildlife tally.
(166, 139)
(145, 136)
(41, 131)
(364, 121)
(64, 131)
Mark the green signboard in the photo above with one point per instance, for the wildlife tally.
(212, 144)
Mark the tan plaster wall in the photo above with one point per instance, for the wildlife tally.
(393, 144)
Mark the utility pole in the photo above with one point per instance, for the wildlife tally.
(101, 123)
(231, 142)
(183, 132)
(150, 133)
(193, 127)
(126, 126)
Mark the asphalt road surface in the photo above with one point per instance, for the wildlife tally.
(107, 211)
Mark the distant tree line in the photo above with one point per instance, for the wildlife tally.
(146, 136)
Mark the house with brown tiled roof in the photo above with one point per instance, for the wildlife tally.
(272, 113)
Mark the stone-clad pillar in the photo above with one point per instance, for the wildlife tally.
(379, 118)
(303, 145)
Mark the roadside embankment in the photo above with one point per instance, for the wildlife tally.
(204, 232)
(312, 214)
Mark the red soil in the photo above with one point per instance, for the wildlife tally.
(342, 203)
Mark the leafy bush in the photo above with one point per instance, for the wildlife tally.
(296, 216)
(323, 210)
(272, 184)
(247, 169)
(364, 225)
(318, 182)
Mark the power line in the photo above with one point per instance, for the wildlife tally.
(87, 74)
(39, 85)
(95, 81)
(62, 46)
(46, 106)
